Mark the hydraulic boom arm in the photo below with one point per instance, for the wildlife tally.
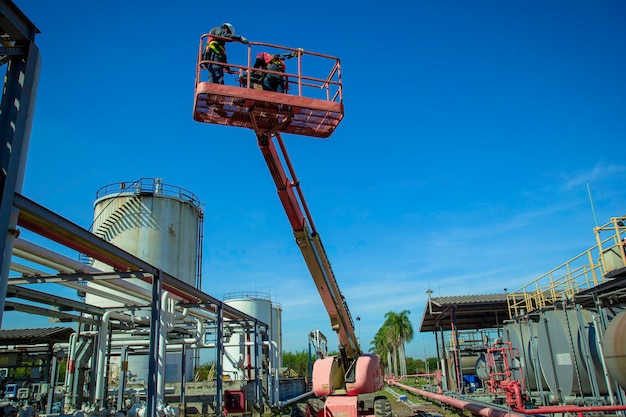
(310, 244)
(353, 372)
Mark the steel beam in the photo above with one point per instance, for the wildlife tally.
(16, 115)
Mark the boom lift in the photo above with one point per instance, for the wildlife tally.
(301, 110)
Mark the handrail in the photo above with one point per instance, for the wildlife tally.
(330, 83)
(577, 274)
(149, 186)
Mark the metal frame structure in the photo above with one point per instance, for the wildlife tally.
(43, 222)
(21, 55)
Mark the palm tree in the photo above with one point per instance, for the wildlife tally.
(399, 330)
(380, 346)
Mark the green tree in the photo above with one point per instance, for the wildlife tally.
(205, 372)
(414, 366)
(399, 331)
(298, 362)
(380, 345)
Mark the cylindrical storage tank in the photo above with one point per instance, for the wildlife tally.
(468, 366)
(156, 222)
(614, 344)
(239, 352)
(160, 224)
(523, 336)
(561, 350)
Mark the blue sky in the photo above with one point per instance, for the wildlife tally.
(471, 131)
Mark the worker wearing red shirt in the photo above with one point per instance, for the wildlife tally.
(273, 82)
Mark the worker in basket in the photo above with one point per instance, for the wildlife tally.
(215, 50)
(268, 81)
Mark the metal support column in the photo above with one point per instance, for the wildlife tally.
(153, 363)
(219, 361)
(16, 116)
(257, 368)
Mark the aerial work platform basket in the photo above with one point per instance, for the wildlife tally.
(311, 105)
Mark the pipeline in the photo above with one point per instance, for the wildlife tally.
(474, 408)
(296, 399)
(61, 263)
(519, 410)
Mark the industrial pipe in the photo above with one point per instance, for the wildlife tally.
(273, 390)
(520, 411)
(102, 351)
(282, 404)
(474, 408)
(62, 263)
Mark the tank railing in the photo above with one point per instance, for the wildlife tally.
(236, 295)
(331, 84)
(154, 186)
(560, 283)
(615, 242)
(579, 273)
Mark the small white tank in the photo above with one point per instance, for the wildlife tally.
(239, 351)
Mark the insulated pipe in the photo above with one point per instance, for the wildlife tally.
(164, 327)
(51, 386)
(53, 258)
(62, 263)
(102, 351)
(274, 389)
(71, 367)
(41, 261)
(145, 342)
(282, 404)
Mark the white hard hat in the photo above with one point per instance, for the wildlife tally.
(230, 27)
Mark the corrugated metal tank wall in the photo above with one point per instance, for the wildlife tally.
(563, 346)
(523, 337)
(615, 349)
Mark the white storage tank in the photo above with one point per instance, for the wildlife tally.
(239, 351)
(160, 224)
(156, 222)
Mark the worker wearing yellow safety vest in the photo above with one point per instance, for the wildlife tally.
(215, 50)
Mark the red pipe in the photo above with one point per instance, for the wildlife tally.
(572, 409)
(477, 409)
(490, 412)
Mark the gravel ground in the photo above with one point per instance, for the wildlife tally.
(418, 407)
(400, 409)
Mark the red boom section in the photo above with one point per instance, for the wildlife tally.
(309, 242)
(311, 105)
